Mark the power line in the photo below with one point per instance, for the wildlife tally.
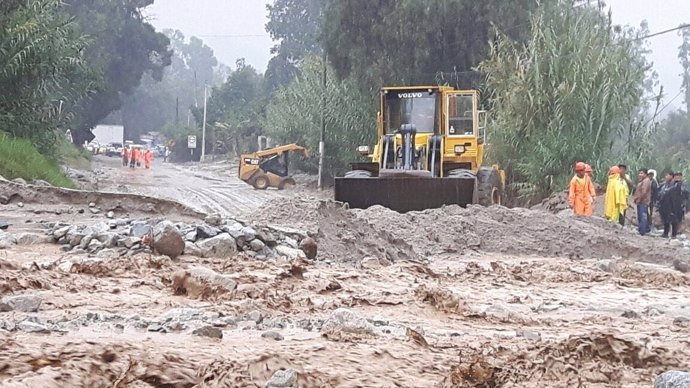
(661, 32)
(235, 36)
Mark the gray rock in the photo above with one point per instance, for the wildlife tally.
(85, 241)
(291, 242)
(110, 214)
(61, 232)
(21, 181)
(108, 254)
(283, 379)
(290, 253)
(630, 314)
(140, 229)
(682, 322)
(94, 210)
(156, 329)
(108, 239)
(273, 335)
(529, 335)
(190, 236)
(206, 231)
(92, 204)
(257, 245)
(30, 239)
(213, 219)
(41, 182)
(167, 240)
(32, 327)
(20, 204)
(344, 320)
(180, 314)
(192, 249)
(208, 331)
(4, 307)
(212, 277)
(129, 242)
(267, 237)
(7, 325)
(4, 225)
(256, 316)
(222, 245)
(94, 246)
(673, 379)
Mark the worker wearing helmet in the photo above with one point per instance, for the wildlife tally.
(579, 196)
(616, 200)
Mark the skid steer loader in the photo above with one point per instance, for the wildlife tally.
(269, 167)
(429, 153)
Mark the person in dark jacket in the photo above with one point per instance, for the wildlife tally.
(655, 194)
(670, 204)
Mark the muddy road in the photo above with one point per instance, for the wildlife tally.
(209, 188)
(443, 298)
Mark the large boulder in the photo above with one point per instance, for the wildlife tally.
(284, 378)
(308, 246)
(343, 322)
(167, 240)
(140, 229)
(223, 245)
(24, 303)
(201, 282)
(206, 231)
(673, 379)
(32, 239)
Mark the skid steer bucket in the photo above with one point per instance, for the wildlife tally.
(404, 194)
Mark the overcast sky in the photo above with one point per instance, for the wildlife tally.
(236, 29)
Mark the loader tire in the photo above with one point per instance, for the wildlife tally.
(260, 182)
(489, 187)
(358, 174)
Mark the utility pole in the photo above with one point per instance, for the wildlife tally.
(203, 128)
(177, 111)
(322, 141)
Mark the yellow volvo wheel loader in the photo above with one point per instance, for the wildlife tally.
(429, 153)
(269, 167)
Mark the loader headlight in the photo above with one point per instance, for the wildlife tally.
(459, 149)
(363, 150)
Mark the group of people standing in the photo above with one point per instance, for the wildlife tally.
(135, 157)
(671, 197)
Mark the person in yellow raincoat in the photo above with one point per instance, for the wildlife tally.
(616, 200)
(578, 193)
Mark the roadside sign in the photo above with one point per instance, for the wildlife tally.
(191, 141)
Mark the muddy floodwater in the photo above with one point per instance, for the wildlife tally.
(443, 298)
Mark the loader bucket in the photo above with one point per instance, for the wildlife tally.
(404, 194)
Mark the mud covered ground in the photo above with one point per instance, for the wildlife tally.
(448, 297)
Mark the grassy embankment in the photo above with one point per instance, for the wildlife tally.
(20, 159)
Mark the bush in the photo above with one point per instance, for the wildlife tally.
(20, 159)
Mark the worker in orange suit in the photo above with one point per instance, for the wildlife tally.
(578, 194)
(590, 189)
(125, 156)
(133, 157)
(148, 158)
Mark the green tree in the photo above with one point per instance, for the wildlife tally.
(684, 56)
(123, 47)
(412, 41)
(294, 116)
(296, 24)
(566, 96)
(156, 104)
(235, 109)
(41, 67)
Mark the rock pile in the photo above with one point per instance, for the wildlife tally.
(213, 238)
